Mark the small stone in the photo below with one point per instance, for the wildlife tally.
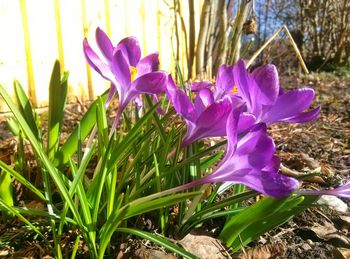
(306, 246)
(333, 203)
(310, 242)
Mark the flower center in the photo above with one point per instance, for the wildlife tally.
(133, 72)
(234, 89)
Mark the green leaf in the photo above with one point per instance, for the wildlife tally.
(131, 137)
(13, 126)
(211, 160)
(158, 240)
(138, 207)
(22, 180)
(57, 103)
(256, 212)
(20, 156)
(188, 226)
(87, 123)
(11, 210)
(102, 127)
(292, 207)
(26, 109)
(159, 126)
(211, 209)
(37, 147)
(42, 213)
(6, 188)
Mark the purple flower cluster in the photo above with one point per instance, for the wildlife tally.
(239, 106)
(122, 65)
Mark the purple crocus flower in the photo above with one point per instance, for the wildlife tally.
(130, 76)
(341, 191)
(263, 96)
(206, 117)
(250, 161)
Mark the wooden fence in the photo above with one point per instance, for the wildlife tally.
(37, 32)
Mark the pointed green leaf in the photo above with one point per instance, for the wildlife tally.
(237, 224)
(57, 103)
(37, 147)
(158, 240)
(25, 108)
(6, 188)
(87, 123)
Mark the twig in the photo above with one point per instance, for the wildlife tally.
(294, 45)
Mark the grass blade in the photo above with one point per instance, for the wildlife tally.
(57, 103)
(158, 240)
(86, 124)
(55, 175)
(22, 180)
(26, 108)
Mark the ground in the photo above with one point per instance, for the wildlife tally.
(321, 146)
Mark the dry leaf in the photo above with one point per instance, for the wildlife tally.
(330, 234)
(203, 246)
(309, 161)
(268, 251)
(341, 253)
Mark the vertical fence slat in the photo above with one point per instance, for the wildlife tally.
(144, 27)
(59, 34)
(29, 60)
(86, 30)
(107, 17)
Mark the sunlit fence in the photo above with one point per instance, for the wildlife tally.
(37, 32)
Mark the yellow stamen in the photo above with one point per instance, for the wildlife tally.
(234, 90)
(133, 72)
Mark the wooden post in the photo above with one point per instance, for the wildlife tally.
(29, 61)
(59, 34)
(88, 69)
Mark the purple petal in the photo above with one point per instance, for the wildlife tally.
(148, 64)
(211, 123)
(121, 71)
(225, 79)
(261, 149)
(215, 116)
(280, 186)
(242, 81)
(270, 183)
(138, 101)
(232, 131)
(248, 142)
(265, 85)
(305, 116)
(131, 50)
(150, 83)
(180, 100)
(289, 105)
(196, 86)
(341, 191)
(104, 44)
(159, 109)
(96, 63)
(112, 91)
(203, 99)
(246, 122)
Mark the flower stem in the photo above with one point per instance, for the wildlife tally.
(116, 121)
(169, 191)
